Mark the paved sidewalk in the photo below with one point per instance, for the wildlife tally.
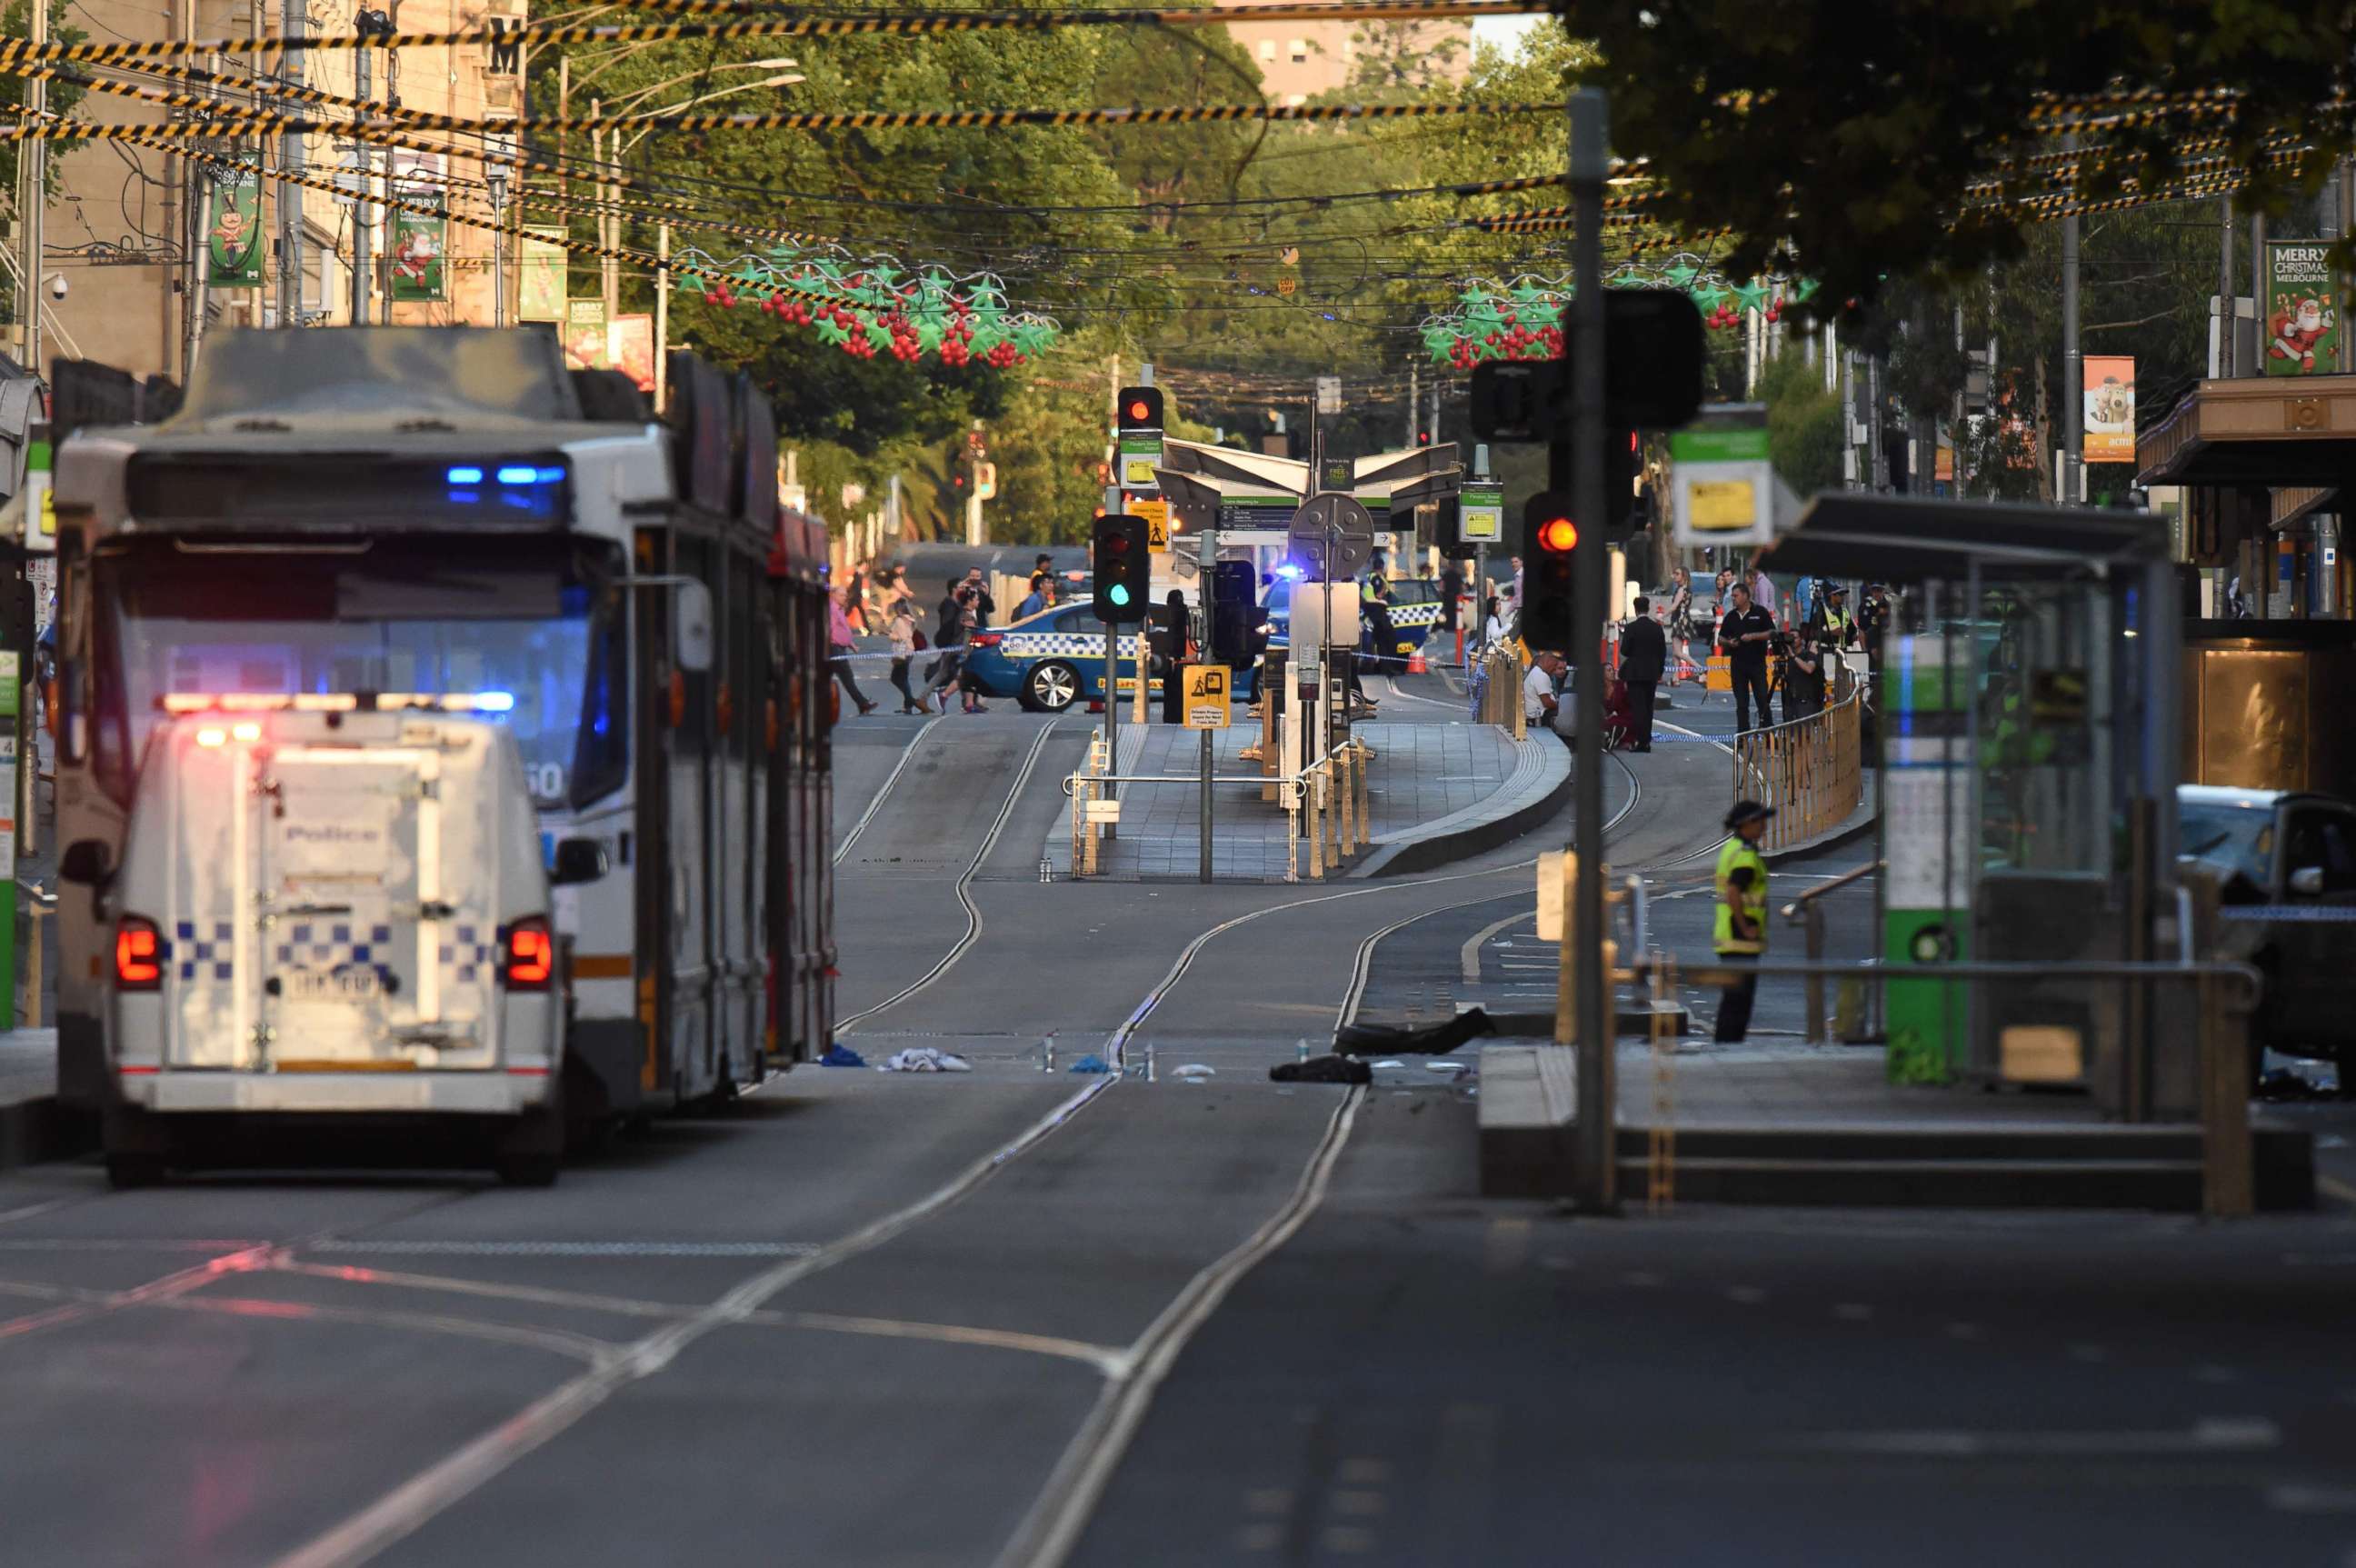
(1435, 792)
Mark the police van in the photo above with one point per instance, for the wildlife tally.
(332, 904)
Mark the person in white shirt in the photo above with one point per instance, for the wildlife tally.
(1540, 703)
(1501, 619)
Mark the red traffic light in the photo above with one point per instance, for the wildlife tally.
(1139, 410)
(1559, 535)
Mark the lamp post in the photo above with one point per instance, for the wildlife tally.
(496, 179)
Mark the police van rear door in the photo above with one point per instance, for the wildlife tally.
(379, 944)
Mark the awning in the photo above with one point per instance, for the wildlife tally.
(1854, 534)
(2254, 431)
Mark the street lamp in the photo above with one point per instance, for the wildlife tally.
(496, 179)
(645, 92)
(622, 148)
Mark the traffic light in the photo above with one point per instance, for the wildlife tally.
(1139, 408)
(1549, 549)
(1653, 358)
(1423, 438)
(1235, 618)
(1124, 570)
(1622, 467)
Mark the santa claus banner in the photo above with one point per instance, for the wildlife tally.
(2302, 316)
(233, 225)
(2110, 408)
(417, 252)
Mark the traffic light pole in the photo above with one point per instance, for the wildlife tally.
(1594, 1186)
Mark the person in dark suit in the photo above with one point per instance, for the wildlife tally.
(1644, 657)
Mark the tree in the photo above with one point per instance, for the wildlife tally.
(1839, 142)
(1805, 435)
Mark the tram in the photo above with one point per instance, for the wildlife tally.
(451, 515)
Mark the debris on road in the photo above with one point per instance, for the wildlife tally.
(1091, 1063)
(841, 1055)
(1195, 1072)
(1436, 1039)
(926, 1058)
(1322, 1069)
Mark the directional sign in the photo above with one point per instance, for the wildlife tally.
(1206, 695)
(1340, 518)
(1481, 514)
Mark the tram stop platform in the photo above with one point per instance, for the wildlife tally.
(1823, 1125)
(1436, 793)
(32, 1125)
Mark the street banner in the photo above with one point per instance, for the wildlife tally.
(541, 291)
(2301, 309)
(630, 340)
(2110, 408)
(419, 273)
(586, 345)
(233, 235)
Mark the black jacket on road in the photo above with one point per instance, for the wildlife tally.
(1644, 650)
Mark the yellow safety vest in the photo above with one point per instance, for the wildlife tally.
(1735, 853)
(1836, 621)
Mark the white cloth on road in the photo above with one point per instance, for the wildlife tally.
(926, 1058)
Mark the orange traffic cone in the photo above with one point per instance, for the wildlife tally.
(1415, 664)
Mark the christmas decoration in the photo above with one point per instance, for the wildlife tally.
(1523, 319)
(872, 306)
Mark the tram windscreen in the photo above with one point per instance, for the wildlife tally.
(538, 621)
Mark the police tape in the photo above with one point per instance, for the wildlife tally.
(225, 120)
(885, 23)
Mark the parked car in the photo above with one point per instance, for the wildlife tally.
(2287, 860)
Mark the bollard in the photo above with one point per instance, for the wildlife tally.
(1365, 755)
(1047, 1053)
(33, 963)
(1816, 983)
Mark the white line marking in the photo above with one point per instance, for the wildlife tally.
(2210, 1435)
(573, 1248)
(1469, 955)
(1065, 1505)
(557, 1341)
(885, 789)
(30, 1209)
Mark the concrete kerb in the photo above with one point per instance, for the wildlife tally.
(1859, 824)
(1539, 787)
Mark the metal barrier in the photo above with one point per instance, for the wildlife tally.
(1496, 687)
(1325, 802)
(1809, 916)
(1810, 770)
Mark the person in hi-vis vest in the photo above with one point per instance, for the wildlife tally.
(1739, 932)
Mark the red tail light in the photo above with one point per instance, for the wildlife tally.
(138, 955)
(987, 639)
(530, 956)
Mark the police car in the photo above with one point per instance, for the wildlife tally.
(1049, 660)
(1414, 612)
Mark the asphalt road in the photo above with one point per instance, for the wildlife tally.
(1015, 1317)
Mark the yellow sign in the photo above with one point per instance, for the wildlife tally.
(1157, 522)
(1206, 697)
(1723, 503)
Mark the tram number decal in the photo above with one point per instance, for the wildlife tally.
(547, 780)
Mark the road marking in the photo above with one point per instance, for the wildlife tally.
(530, 1249)
(624, 1307)
(1047, 1534)
(431, 1492)
(1363, 1472)
(1275, 1501)
(1469, 955)
(1261, 1537)
(885, 789)
(1358, 1503)
(2334, 1187)
(30, 1209)
(1347, 1540)
(2213, 1434)
(2293, 1497)
(559, 1341)
(1106, 1359)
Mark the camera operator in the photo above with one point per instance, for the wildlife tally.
(1800, 672)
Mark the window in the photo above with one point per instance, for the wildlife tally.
(1298, 49)
(1268, 51)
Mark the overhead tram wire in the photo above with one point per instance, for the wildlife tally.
(229, 120)
(915, 23)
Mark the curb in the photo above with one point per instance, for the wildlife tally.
(1431, 851)
(34, 1131)
(1860, 824)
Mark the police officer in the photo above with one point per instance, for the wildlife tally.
(1835, 627)
(1740, 933)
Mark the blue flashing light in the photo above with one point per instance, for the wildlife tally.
(1118, 594)
(1288, 570)
(517, 474)
(495, 701)
(466, 498)
(465, 476)
(550, 476)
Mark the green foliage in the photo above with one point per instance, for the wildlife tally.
(15, 22)
(1839, 138)
(1804, 423)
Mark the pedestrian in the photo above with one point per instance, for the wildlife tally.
(1452, 590)
(1743, 637)
(1500, 624)
(1043, 570)
(1644, 657)
(1540, 705)
(1041, 597)
(902, 630)
(1165, 640)
(1873, 622)
(1680, 623)
(1739, 929)
(978, 600)
(1833, 626)
(1381, 636)
(1762, 587)
(956, 622)
(839, 645)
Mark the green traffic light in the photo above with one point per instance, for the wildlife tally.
(1118, 594)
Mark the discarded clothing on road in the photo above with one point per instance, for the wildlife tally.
(1322, 1069)
(1434, 1041)
(926, 1058)
(841, 1055)
(1090, 1063)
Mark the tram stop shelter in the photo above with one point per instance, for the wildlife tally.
(2026, 703)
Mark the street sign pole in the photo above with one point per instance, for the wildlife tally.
(1594, 1186)
(1210, 560)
